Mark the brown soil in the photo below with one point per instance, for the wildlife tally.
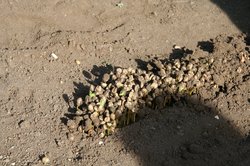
(37, 92)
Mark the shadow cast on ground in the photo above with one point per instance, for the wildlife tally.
(188, 133)
(92, 77)
(237, 11)
(191, 131)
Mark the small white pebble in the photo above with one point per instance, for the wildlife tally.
(216, 117)
(1, 157)
(239, 70)
(177, 47)
(71, 137)
(45, 160)
(120, 4)
(102, 135)
(154, 13)
(101, 143)
(53, 55)
(78, 62)
(242, 59)
(12, 147)
(13, 164)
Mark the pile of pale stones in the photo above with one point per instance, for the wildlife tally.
(123, 93)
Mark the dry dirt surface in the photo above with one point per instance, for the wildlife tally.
(38, 91)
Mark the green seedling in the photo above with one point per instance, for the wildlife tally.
(92, 94)
(122, 92)
(191, 91)
(181, 90)
(107, 132)
(102, 102)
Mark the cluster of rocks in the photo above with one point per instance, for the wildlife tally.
(123, 93)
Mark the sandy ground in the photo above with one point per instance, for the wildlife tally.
(37, 91)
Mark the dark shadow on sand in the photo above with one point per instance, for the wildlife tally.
(237, 11)
(189, 132)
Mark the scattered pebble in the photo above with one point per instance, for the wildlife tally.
(243, 57)
(154, 13)
(79, 101)
(101, 135)
(105, 77)
(78, 62)
(239, 70)
(71, 137)
(71, 124)
(101, 143)
(53, 55)
(216, 117)
(177, 47)
(120, 4)
(45, 160)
